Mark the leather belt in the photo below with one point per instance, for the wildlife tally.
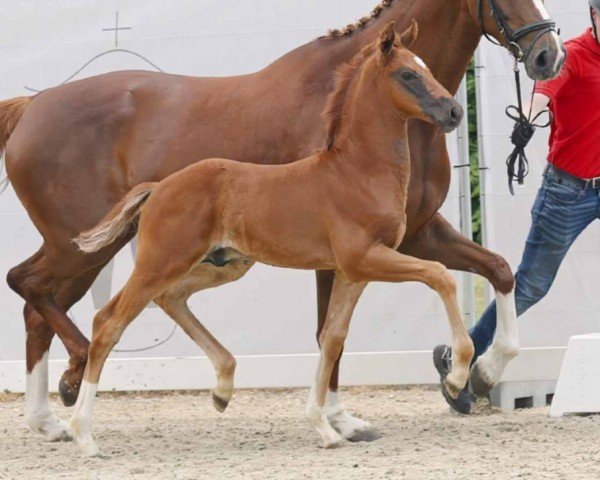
(572, 179)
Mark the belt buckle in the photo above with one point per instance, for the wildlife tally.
(595, 182)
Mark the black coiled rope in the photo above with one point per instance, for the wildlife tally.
(517, 164)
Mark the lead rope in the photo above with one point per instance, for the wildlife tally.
(525, 125)
(523, 131)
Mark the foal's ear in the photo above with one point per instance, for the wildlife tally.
(387, 42)
(409, 37)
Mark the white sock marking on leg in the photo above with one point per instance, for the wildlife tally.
(316, 417)
(82, 418)
(38, 413)
(505, 345)
(344, 423)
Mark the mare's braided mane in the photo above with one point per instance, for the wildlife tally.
(350, 29)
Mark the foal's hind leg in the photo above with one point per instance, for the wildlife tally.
(109, 325)
(344, 297)
(174, 303)
(156, 271)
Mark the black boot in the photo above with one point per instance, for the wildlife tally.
(442, 359)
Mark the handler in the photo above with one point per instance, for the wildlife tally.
(569, 198)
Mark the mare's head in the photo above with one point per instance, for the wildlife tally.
(525, 28)
(412, 89)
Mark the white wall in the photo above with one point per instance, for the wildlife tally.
(573, 305)
(271, 311)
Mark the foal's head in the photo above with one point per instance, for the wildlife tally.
(413, 90)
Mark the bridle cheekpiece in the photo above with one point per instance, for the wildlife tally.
(512, 38)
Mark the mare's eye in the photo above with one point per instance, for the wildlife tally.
(407, 75)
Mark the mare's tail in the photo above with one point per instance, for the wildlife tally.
(11, 112)
(117, 222)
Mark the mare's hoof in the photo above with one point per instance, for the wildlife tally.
(369, 435)
(219, 403)
(68, 393)
(478, 384)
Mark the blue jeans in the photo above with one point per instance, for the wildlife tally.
(562, 210)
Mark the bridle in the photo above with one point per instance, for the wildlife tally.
(525, 125)
(512, 38)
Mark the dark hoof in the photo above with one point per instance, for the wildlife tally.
(479, 386)
(68, 393)
(370, 435)
(219, 403)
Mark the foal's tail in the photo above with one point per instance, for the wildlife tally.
(118, 221)
(11, 112)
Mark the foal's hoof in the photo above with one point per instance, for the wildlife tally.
(352, 428)
(219, 403)
(68, 393)
(334, 441)
(451, 388)
(479, 385)
(370, 435)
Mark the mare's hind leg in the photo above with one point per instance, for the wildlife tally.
(344, 297)
(38, 412)
(174, 303)
(51, 284)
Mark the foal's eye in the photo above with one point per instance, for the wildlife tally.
(407, 75)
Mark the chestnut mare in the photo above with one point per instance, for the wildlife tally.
(342, 209)
(75, 150)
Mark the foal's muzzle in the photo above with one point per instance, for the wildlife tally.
(447, 114)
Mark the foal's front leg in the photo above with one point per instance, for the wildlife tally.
(348, 426)
(439, 241)
(384, 264)
(344, 297)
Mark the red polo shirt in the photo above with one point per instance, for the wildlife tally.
(575, 103)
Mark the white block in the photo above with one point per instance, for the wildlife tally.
(578, 388)
(530, 394)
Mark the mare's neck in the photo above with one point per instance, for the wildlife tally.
(447, 38)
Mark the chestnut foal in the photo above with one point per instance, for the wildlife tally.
(341, 209)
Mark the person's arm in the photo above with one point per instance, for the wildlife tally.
(539, 103)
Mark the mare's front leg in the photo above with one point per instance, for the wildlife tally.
(344, 296)
(384, 264)
(348, 426)
(439, 241)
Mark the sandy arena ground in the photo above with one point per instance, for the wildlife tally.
(263, 436)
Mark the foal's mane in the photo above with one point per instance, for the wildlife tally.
(333, 112)
(360, 23)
